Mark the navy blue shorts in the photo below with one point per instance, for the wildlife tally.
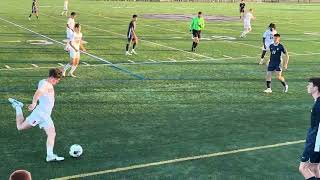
(273, 67)
(309, 155)
(196, 33)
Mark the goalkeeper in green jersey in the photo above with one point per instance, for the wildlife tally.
(196, 26)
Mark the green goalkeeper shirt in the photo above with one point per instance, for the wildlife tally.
(197, 23)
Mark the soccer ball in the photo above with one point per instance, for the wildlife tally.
(75, 150)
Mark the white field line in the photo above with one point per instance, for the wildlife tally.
(151, 42)
(87, 64)
(155, 62)
(6, 66)
(227, 56)
(88, 54)
(131, 61)
(34, 65)
(245, 56)
(172, 59)
(152, 60)
(177, 160)
(192, 59)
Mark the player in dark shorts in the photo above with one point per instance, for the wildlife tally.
(132, 36)
(309, 165)
(242, 6)
(275, 64)
(196, 26)
(34, 9)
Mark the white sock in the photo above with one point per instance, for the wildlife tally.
(18, 110)
(73, 68)
(66, 67)
(49, 150)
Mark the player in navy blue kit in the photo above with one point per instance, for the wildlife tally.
(275, 64)
(242, 6)
(132, 36)
(309, 165)
(34, 9)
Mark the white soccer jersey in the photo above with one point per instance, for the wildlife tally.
(247, 17)
(76, 40)
(268, 35)
(46, 101)
(70, 24)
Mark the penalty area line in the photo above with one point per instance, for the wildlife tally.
(190, 158)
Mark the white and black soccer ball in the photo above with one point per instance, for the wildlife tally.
(75, 150)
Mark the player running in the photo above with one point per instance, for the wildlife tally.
(267, 40)
(65, 8)
(41, 113)
(75, 44)
(34, 9)
(197, 24)
(309, 165)
(132, 36)
(70, 29)
(248, 16)
(275, 63)
(242, 6)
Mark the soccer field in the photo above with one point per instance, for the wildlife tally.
(147, 112)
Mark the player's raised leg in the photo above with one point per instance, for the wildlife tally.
(20, 121)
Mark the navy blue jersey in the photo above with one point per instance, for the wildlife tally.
(276, 52)
(242, 5)
(314, 124)
(131, 29)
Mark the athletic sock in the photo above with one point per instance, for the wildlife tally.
(127, 47)
(283, 83)
(66, 67)
(195, 45)
(18, 111)
(30, 15)
(134, 45)
(49, 150)
(268, 84)
(263, 54)
(73, 68)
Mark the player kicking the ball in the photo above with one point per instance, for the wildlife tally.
(132, 36)
(34, 9)
(41, 113)
(75, 44)
(267, 40)
(248, 16)
(197, 24)
(275, 63)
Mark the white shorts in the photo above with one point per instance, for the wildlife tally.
(65, 8)
(69, 34)
(74, 54)
(37, 117)
(247, 25)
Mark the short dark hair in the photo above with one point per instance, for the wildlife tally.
(272, 25)
(276, 35)
(20, 175)
(134, 16)
(315, 81)
(199, 12)
(55, 73)
(73, 13)
(77, 25)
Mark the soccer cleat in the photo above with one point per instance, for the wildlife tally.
(133, 52)
(285, 90)
(71, 75)
(29, 18)
(261, 62)
(268, 90)
(128, 54)
(54, 157)
(15, 103)
(64, 73)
